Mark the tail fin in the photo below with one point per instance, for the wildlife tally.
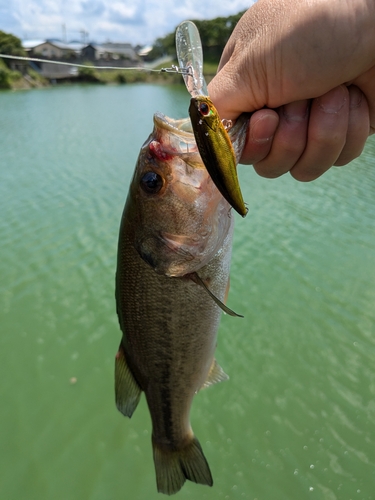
(174, 467)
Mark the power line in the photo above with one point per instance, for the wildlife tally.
(173, 69)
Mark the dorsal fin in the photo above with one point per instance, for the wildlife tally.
(198, 280)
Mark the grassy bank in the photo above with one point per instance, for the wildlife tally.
(15, 80)
(90, 74)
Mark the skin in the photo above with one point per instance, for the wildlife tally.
(306, 70)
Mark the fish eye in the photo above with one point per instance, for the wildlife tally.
(151, 182)
(204, 109)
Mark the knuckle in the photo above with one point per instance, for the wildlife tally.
(303, 175)
(267, 171)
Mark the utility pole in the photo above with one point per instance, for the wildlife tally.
(84, 36)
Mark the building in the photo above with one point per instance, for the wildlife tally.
(121, 55)
(52, 49)
(115, 54)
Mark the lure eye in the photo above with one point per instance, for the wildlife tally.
(204, 109)
(151, 183)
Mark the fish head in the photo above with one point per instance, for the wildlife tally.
(178, 217)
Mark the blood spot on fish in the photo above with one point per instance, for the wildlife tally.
(156, 150)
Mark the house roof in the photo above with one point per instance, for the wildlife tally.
(32, 44)
(144, 51)
(120, 49)
(123, 49)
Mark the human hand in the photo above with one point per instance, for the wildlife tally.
(316, 72)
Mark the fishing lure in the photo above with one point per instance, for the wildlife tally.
(210, 132)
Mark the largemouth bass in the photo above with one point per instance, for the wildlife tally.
(172, 279)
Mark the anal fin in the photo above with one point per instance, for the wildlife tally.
(127, 391)
(215, 375)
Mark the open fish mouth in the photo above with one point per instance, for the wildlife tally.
(183, 141)
(181, 126)
(179, 133)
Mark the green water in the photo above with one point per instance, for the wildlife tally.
(295, 421)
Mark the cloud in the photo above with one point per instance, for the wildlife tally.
(124, 14)
(135, 21)
(92, 8)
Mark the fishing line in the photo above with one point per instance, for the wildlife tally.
(173, 69)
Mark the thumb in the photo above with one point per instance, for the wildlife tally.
(239, 86)
(230, 94)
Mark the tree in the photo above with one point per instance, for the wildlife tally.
(162, 47)
(4, 76)
(11, 46)
(214, 34)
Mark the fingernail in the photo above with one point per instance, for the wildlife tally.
(334, 100)
(263, 129)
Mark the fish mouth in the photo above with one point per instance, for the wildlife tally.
(178, 137)
(182, 130)
(181, 126)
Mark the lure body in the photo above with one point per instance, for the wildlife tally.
(216, 150)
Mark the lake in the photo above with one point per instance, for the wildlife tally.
(295, 421)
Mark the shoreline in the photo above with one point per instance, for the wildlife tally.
(32, 80)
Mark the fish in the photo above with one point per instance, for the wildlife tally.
(216, 150)
(172, 279)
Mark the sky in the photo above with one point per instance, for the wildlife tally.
(134, 21)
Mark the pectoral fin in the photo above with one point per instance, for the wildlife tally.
(127, 391)
(198, 280)
(215, 375)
